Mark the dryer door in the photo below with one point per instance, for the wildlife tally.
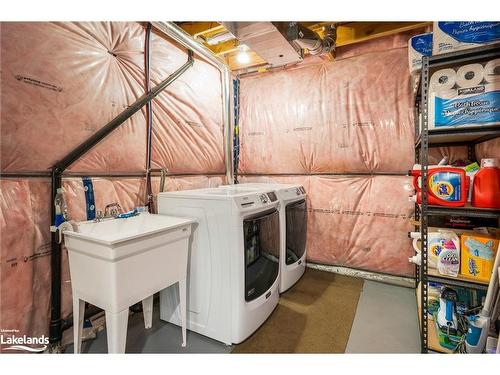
(296, 231)
(262, 247)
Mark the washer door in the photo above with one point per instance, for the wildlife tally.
(262, 247)
(296, 231)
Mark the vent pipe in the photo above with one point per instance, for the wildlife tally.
(305, 38)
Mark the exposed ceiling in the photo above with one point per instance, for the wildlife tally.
(216, 37)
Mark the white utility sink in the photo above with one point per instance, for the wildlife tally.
(115, 263)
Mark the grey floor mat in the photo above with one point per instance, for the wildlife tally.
(386, 321)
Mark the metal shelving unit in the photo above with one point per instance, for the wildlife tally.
(438, 138)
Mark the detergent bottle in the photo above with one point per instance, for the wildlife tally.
(449, 257)
(446, 185)
(486, 186)
(435, 244)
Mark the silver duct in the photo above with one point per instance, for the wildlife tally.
(176, 33)
(304, 38)
(314, 44)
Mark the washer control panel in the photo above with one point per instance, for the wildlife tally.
(257, 200)
(272, 196)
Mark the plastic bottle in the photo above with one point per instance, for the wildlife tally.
(449, 257)
(471, 171)
(61, 207)
(486, 187)
(446, 186)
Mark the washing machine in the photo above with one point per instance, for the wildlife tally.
(293, 228)
(233, 268)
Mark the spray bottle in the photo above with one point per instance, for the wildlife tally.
(446, 315)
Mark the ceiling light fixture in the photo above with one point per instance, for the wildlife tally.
(243, 57)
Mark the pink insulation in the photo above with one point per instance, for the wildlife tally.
(61, 82)
(352, 115)
(359, 222)
(187, 122)
(188, 183)
(25, 256)
(69, 80)
(453, 153)
(488, 149)
(128, 192)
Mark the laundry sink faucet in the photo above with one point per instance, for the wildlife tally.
(112, 210)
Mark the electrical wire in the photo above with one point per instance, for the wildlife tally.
(463, 325)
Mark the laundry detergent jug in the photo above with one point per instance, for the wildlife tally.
(446, 186)
(486, 186)
(435, 245)
(449, 258)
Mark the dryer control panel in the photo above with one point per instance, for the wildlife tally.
(257, 200)
(292, 192)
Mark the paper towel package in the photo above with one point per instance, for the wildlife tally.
(456, 36)
(418, 46)
(465, 96)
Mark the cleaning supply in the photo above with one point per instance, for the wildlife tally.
(436, 242)
(477, 255)
(61, 207)
(447, 186)
(471, 171)
(446, 319)
(448, 262)
(469, 297)
(479, 325)
(486, 186)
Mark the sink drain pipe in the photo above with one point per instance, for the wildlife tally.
(55, 328)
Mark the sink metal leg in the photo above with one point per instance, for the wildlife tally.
(78, 316)
(116, 328)
(147, 310)
(182, 306)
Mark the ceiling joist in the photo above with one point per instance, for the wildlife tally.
(347, 33)
(356, 32)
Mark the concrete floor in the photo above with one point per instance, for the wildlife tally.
(161, 338)
(385, 322)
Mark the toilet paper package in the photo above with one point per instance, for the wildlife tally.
(418, 46)
(456, 36)
(465, 96)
